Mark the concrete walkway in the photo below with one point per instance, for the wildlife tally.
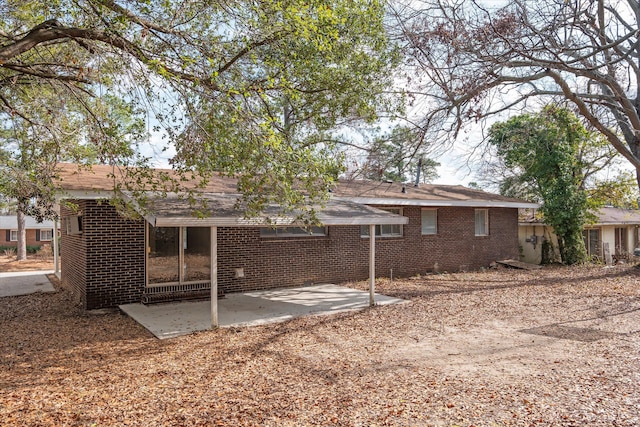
(24, 283)
(251, 308)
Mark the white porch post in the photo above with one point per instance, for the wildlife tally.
(56, 263)
(214, 277)
(372, 264)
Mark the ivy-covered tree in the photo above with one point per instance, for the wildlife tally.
(542, 150)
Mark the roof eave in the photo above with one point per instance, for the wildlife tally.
(262, 222)
(85, 195)
(439, 203)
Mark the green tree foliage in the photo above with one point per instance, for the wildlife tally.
(544, 150)
(58, 130)
(620, 191)
(252, 89)
(398, 156)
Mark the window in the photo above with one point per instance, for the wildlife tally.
(621, 241)
(74, 225)
(293, 232)
(429, 221)
(592, 242)
(385, 230)
(14, 236)
(46, 235)
(178, 254)
(482, 222)
(163, 262)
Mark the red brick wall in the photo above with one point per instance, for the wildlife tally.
(73, 256)
(31, 239)
(343, 255)
(105, 265)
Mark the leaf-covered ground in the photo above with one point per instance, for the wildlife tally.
(558, 346)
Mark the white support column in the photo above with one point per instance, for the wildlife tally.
(372, 264)
(56, 262)
(214, 277)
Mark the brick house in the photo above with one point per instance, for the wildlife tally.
(110, 260)
(38, 233)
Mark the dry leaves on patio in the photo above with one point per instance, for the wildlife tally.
(560, 346)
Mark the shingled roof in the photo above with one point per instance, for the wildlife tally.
(604, 216)
(99, 180)
(399, 194)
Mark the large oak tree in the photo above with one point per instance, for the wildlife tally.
(254, 88)
(472, 59)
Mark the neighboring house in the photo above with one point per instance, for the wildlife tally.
(616, 232)
(109, 260)
(38, 233)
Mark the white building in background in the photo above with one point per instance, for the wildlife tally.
(614, 237)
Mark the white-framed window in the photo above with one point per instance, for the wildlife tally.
(385, 230)
(46, 235)
(482, 222)
(14, 236)
(283, 232)
(429, 221)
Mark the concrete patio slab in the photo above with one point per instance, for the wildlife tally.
(24, 283)
(251, 308)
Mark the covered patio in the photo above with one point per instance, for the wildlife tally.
(170, 320)
(238, 309)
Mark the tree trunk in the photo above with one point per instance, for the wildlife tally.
(572, 249)
(22, 236)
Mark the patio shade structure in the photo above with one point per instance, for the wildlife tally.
(220, 210)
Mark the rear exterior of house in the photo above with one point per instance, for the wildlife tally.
(38, 234)
(110, 260)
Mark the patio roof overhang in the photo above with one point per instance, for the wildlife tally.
(220, 210)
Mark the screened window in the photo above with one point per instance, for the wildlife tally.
(385, 230)
(46, 235)
(14, 236)
(429, 221)
(482, 222)
(284, 232)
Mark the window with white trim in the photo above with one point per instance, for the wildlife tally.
(14, 236)
(284, 232)
(385, 230)
(429, 221)
(46, 235)
(482, 222)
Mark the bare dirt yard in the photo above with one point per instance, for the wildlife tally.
(32, 263)
(553, 347)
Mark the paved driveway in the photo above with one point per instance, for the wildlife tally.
(25, 282)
